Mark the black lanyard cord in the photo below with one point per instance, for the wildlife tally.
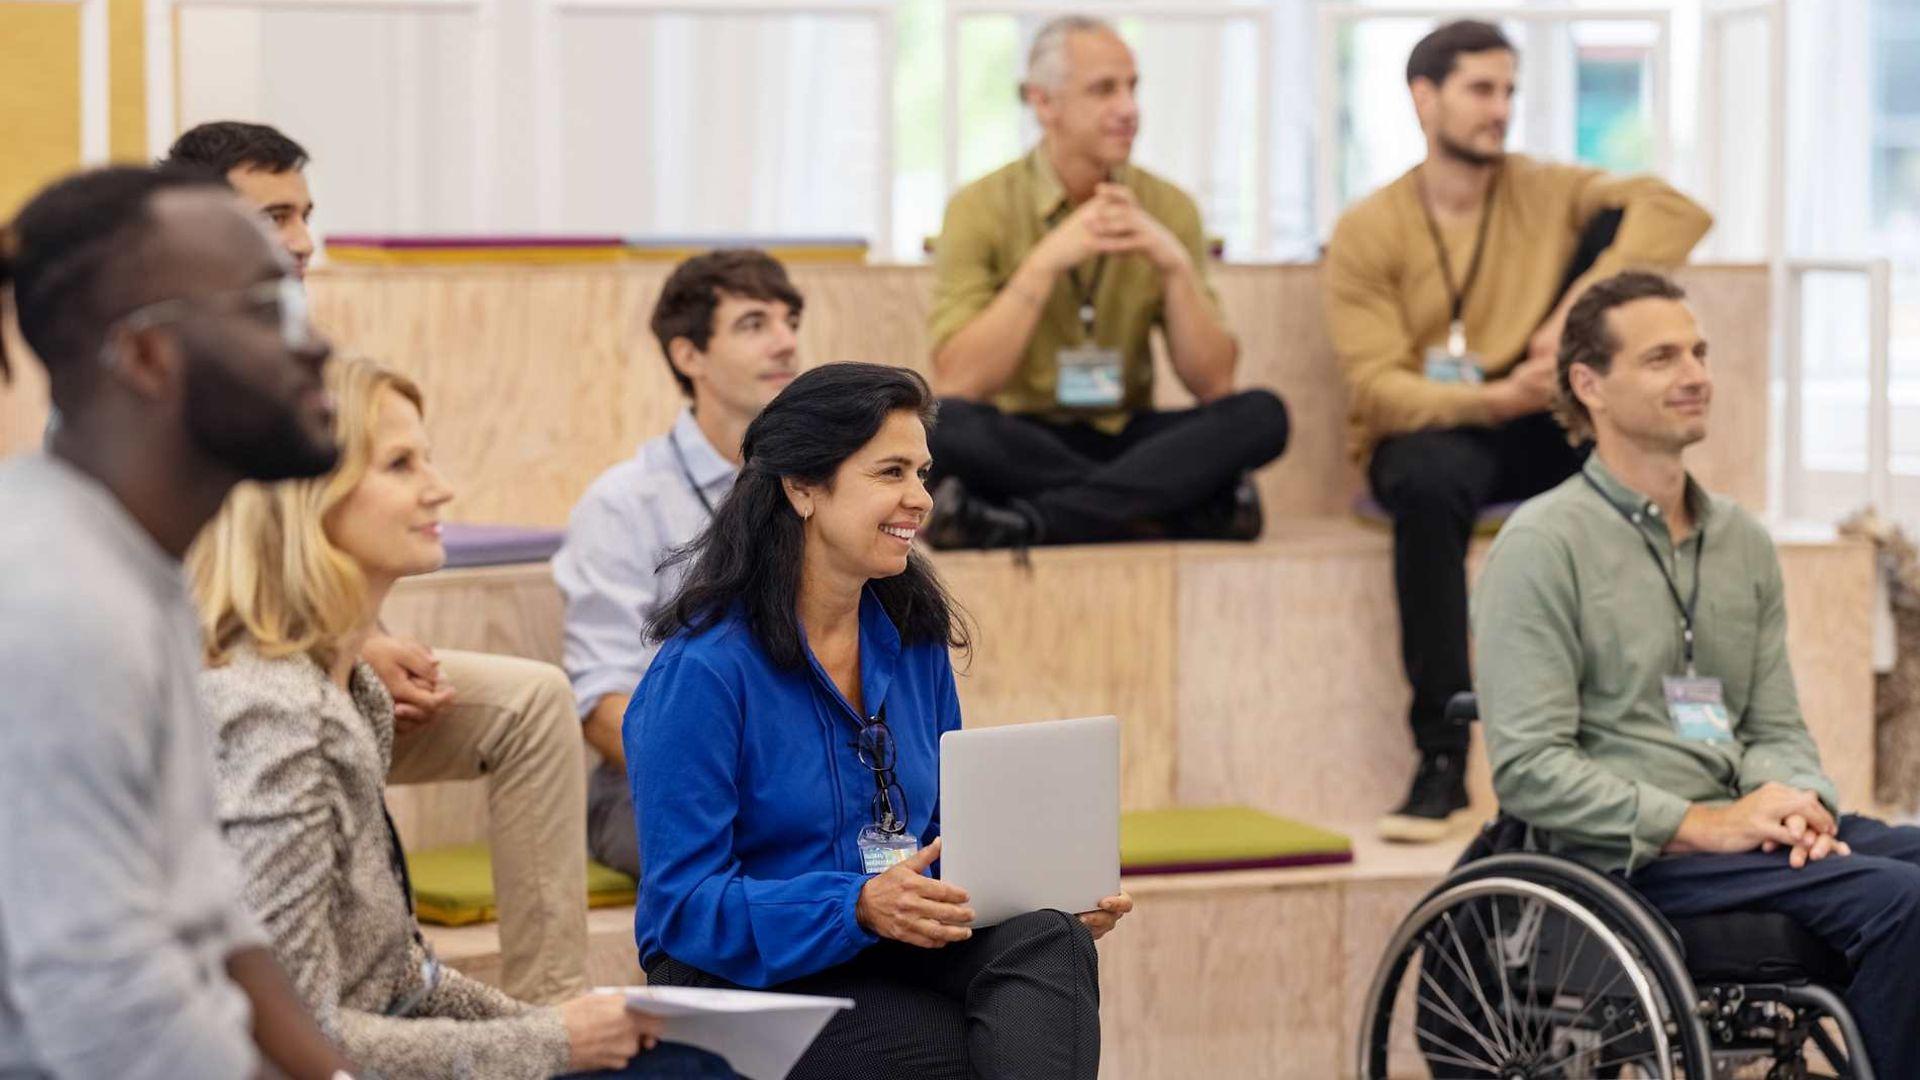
(1692, 604)
(1087, 292)
(1457, 295)
(687, 474)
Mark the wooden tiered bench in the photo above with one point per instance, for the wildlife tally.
(1262, 673)
(1265, 673)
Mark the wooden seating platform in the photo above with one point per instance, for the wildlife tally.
(1264, 673)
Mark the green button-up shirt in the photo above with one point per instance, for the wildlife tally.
(1574, 629)
(992, 225)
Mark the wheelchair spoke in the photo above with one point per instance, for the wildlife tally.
(1638, 1029)
(1454, 1014)
(1498, 941)
(1464, 1057)
(1481, 1032)
(1473, 983)
(1598, 996)
(1443, 1059)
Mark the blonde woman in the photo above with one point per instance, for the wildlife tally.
(289, 579)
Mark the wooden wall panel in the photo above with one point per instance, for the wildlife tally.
(537, 379)
(1830, 640)
(1082, 632)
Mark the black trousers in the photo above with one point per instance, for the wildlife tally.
(1165, 475)
(1865, 905)
(1434, 484)
(1017, 1000)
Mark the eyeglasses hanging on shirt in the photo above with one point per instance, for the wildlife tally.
(1456, 363)
(884, 841)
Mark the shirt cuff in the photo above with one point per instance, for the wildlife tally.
(858, 936)
(590, 686)
(1655, 824)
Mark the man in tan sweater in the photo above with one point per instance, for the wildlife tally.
(1445, 292)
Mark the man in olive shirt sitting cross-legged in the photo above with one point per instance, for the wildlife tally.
(1050, 275)
(1630, 632)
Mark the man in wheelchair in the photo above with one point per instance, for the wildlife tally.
(1639, 709)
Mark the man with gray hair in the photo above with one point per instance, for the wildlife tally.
(1051, 274)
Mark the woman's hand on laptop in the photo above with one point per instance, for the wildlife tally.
(1111, 909)
(905, 905)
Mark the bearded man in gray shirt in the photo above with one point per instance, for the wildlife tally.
(181, 360)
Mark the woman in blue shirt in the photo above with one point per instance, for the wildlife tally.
(783, 750)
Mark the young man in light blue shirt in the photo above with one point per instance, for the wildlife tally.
(727, 322)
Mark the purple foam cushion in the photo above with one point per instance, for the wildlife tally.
(496, 545)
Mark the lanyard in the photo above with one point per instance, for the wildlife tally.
(687, 474)
(1692, 603)
(1457, 295)
(1086, 293)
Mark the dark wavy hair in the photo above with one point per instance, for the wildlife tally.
(750, 555)
(1588, 339)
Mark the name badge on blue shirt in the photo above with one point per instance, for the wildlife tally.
(881, 850)
(1089, 378)
(1696, 707)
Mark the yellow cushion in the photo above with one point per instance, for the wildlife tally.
(1192, 839)
(453, 886)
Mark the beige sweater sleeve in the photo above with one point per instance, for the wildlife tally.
(1386, 388)
(1659, 226)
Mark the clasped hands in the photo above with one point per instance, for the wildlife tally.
(411, 673)
(1771, 817)
(903, 904)
(1112, 222)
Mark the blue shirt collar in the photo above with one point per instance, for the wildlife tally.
(879, 655)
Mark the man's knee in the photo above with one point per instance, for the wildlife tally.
(1260, 418)
(1420, 474)
(959, 427)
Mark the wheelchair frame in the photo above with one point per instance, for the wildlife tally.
(1701, 1030)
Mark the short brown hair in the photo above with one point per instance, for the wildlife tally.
(1587, 339)
(1434, 57)
(688, 299)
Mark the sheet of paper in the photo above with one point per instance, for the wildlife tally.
(761, 1035)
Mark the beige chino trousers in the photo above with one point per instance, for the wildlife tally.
(512, 723)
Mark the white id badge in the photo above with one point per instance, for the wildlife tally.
(1695, 706)
(1444, 367)
(880, 850)
(1089, 378)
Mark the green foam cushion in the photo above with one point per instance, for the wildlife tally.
(1191, 839)
(453, 886)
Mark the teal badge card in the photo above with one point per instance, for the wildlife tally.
(1695, 706)
(1089, 378)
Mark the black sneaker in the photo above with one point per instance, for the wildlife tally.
(1437, 797)
(1232, 514)
(959, 520)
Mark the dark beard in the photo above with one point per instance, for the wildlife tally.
(1468, 156)
(242, 429)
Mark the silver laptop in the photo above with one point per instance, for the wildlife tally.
(1030, 815)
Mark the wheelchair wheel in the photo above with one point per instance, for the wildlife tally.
(1528, 966)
